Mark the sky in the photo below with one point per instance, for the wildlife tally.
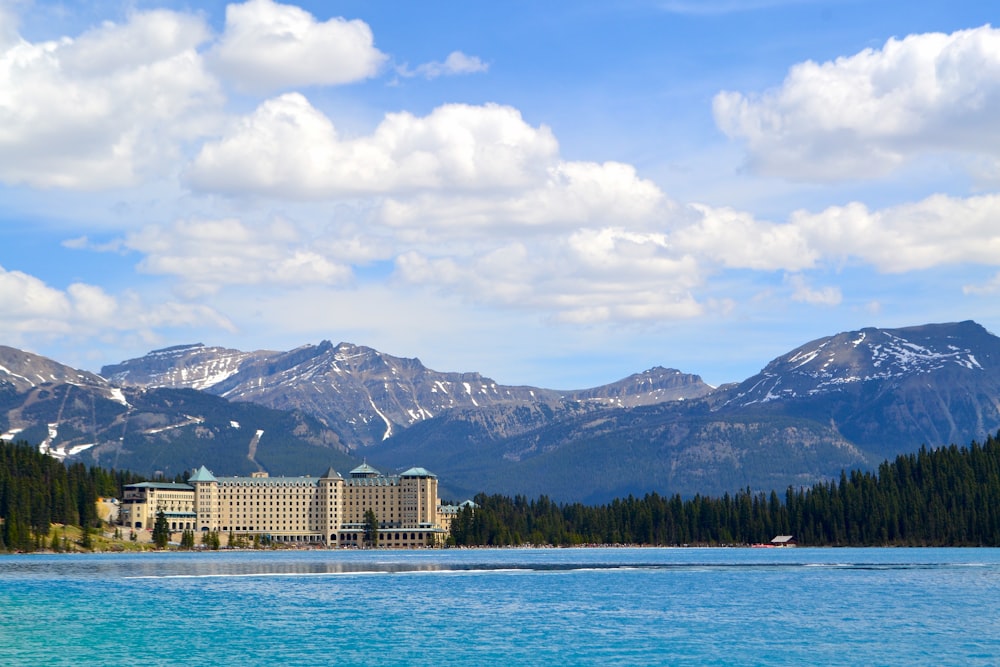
(551, 194)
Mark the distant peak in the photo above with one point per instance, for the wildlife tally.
(178, 348)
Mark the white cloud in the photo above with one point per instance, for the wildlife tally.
(29, 304)
(864, 115)
(33, 308)
(567, 195)
(102, 110)
(206, 255)
(935, 231)
(659, 264)
(456, 63)
(991, 286)
(591, 276)
(736, 240)
(268, 46)
(287, 148)
(802, 292)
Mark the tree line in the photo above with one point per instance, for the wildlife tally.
(37, 491)
(933, 497)
(942, 497)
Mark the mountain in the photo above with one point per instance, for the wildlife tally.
(367, 396)
(22, 371)
(594, 456)
(844, 401)
(181, 367)
(35, 395)
(887, 390)
(840, 402)
(73, 414)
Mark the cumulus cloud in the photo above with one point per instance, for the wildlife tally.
(456, 63)
(31, 307)
(206, 255)
(991, 286)
(659, 264)
(864, 115)
(803, 292)
(936, 231)
(566, 195)
(592, 277)
(288, 148)
(268, 46)
(106, 108)
(734, 239)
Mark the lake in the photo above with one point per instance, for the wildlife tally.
(518, 606)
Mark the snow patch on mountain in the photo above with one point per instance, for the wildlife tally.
(869, 355)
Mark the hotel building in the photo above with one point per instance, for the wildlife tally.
(327, 510)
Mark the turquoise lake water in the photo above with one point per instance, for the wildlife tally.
(497, 607)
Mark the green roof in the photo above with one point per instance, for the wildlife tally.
(166, 486)
(202, 475)
(364, 469)
(418, 472)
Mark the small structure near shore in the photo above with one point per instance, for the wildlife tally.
(779, 541)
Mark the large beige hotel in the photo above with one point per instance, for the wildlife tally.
(327, 510)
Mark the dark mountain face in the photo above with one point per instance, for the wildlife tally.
(174, 431)
(846, 401)
(367, 396)
(885, 357)
(21, 371)
(76, 415)
(887, 390)
(841, 402)
(596, 455)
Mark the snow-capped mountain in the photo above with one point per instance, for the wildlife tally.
(78, 416)
(365, 395)
(656, 385)
(887, 389)
(21, 371)
(871, 356)
(845, 401)
(182, 366)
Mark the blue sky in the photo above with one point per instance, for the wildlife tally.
(556, 194)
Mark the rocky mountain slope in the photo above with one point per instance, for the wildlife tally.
(22, 371)
(886, 389)
(181, 367)
(594, 457)
(75, 415)
(844, 401)
(367, 396)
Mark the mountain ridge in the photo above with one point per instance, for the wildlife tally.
(843, 401)
(367, 396)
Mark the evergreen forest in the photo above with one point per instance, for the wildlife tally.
(37, 491)
(943, 497)
(934, 497)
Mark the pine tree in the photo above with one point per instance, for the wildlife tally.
(161, 531)
(371, 528)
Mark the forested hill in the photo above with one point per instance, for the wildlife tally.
(37, 490)
(943, 497)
